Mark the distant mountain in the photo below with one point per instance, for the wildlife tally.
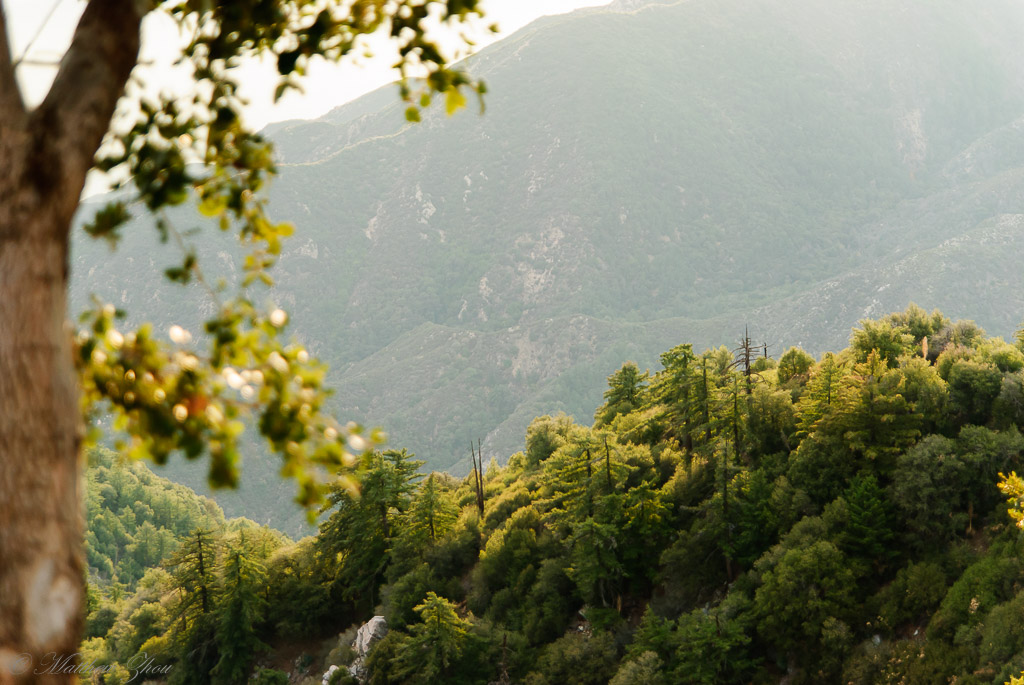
(645, 174)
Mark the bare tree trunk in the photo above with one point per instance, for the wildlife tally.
(41, 570)
(44, 156)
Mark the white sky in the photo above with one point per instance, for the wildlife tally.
(326, 85)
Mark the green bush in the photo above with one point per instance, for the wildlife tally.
(270, 676)
(1002, 635)
(986, 583)
(917, 589)
(577, 659)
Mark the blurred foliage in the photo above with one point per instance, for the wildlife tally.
(198, 395)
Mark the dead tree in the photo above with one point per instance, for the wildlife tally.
(478, 474)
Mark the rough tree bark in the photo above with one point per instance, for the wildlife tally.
(44, 156)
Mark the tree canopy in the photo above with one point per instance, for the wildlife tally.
(875, 547)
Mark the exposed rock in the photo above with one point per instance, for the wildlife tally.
(340, 674)
(369, 634)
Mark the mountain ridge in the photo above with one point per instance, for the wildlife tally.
(751, 164)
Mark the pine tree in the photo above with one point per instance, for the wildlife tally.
(822, 391)
(194, 574)
(240, 611)
(673, 389)
(595, 564)
(432, 514)
(624, 394)
(874, 419)
(654, 634)
(757, 527)
(194, 579)
(354, 541)
(712, 648)
(868, 533)
(434, 644)
(569, 486)
(579, 476)
(703, 392)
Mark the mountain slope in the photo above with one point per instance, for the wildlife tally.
(645, 174)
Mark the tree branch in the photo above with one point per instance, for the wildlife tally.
(69, 125)
(11, 104)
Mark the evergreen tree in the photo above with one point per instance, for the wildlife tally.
(240, 611)
(433, 645)
(918, 323)
(822, 391)
(757, 522)
(431, 516)
(769, 422)
(354, 541)
(654, 634)
(973, 389)
(194, 575)
(545, 435)
(646, 529)
(596, 568)
(672, 388)
(569, 482)
(874, 419)
(193, 622)
(868, 535)
(433, 512)
(624, 394)
(704, 391)
(646, 669)
(712, 648)
(297, 589)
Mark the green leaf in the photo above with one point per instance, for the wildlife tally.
(108, 221)
(213, 205)
(454, 101)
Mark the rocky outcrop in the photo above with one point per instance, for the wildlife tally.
(369, 634)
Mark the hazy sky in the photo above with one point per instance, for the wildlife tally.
(327, 86)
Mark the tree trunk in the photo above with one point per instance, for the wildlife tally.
(41, 569)
(44, 157)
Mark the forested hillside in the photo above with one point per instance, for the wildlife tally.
(136, 518)
(728, 518)
(782, 164)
